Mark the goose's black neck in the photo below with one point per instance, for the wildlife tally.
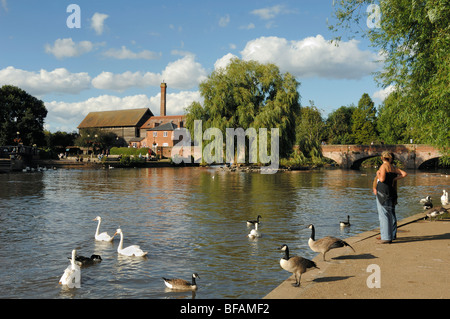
(286, 253)
(313, 232)
(193, 280)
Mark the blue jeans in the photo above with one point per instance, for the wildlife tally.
(388, 220)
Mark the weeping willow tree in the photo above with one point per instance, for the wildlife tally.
(413, 39)
(247, 94)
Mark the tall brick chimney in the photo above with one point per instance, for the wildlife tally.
(163, 99)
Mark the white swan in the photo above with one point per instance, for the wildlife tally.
(444, 197)
(254, 232)
(72, 274)
(103, 236)
(133, 250)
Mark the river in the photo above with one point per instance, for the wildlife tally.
(188, 219)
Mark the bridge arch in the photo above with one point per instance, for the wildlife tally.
(351, 156)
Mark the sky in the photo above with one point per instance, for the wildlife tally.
(82, 56)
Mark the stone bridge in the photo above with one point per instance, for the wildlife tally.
(351, 156)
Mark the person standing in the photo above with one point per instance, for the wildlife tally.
(386, 196)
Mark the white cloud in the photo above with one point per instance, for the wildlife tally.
(383, 93)
(126, 80)
(5, 5)
(247, 27)
(183, 74)
(224, 61)
(66, 116)
(313, 57)
(125, 53)
(268, 13)
(98, 22)
(43, 82)
(223, 21)
(67, 48)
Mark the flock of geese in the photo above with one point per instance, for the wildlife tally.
(298, 265)
(437, 211)
(294, 264)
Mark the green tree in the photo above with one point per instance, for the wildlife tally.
(248, 94)
(339, 125)
(21, 117)
(414, 39)
(391, 121)
(364, 121)
(309, 132)
(96, 140)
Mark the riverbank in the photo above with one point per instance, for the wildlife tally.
(413, 266)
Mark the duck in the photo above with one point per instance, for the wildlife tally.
(325, 244)
(345, 224)
(181, 284)
(254, 233)
(295, 264)
(130, 251)
(103, 236)
(87, 261)
(253, 222)
(444, 197)
(72, 275)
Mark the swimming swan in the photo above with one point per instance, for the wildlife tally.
(133, 250)
(72, 275)
(103, 236)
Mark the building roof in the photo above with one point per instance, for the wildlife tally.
(164, 127)
(120, 118)
(162, 119)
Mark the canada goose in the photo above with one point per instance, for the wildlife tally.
(432, 214)
(428, 204)
(324, 244)
(87, 261)
(444, 197)
(426, 199)
(296, 265)
(252, 222)
(255, 232)
(181, 284)
(345, 224)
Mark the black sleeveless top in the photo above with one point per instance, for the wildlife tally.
(386, 190)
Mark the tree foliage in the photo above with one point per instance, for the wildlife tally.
(364, 121)
(339, 126)
(414, 40)
(21, 117)
(248, 94)
(309, 132)
(391, 121)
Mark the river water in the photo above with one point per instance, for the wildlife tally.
(188, 219)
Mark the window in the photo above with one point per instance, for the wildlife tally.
(155, 134)
(165, 134)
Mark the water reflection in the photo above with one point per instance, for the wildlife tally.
(188, 219)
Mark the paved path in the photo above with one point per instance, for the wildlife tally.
(416, 265)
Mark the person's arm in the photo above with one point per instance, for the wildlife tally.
(400, 174)
(374, 185)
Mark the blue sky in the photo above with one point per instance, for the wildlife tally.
(123, 50)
